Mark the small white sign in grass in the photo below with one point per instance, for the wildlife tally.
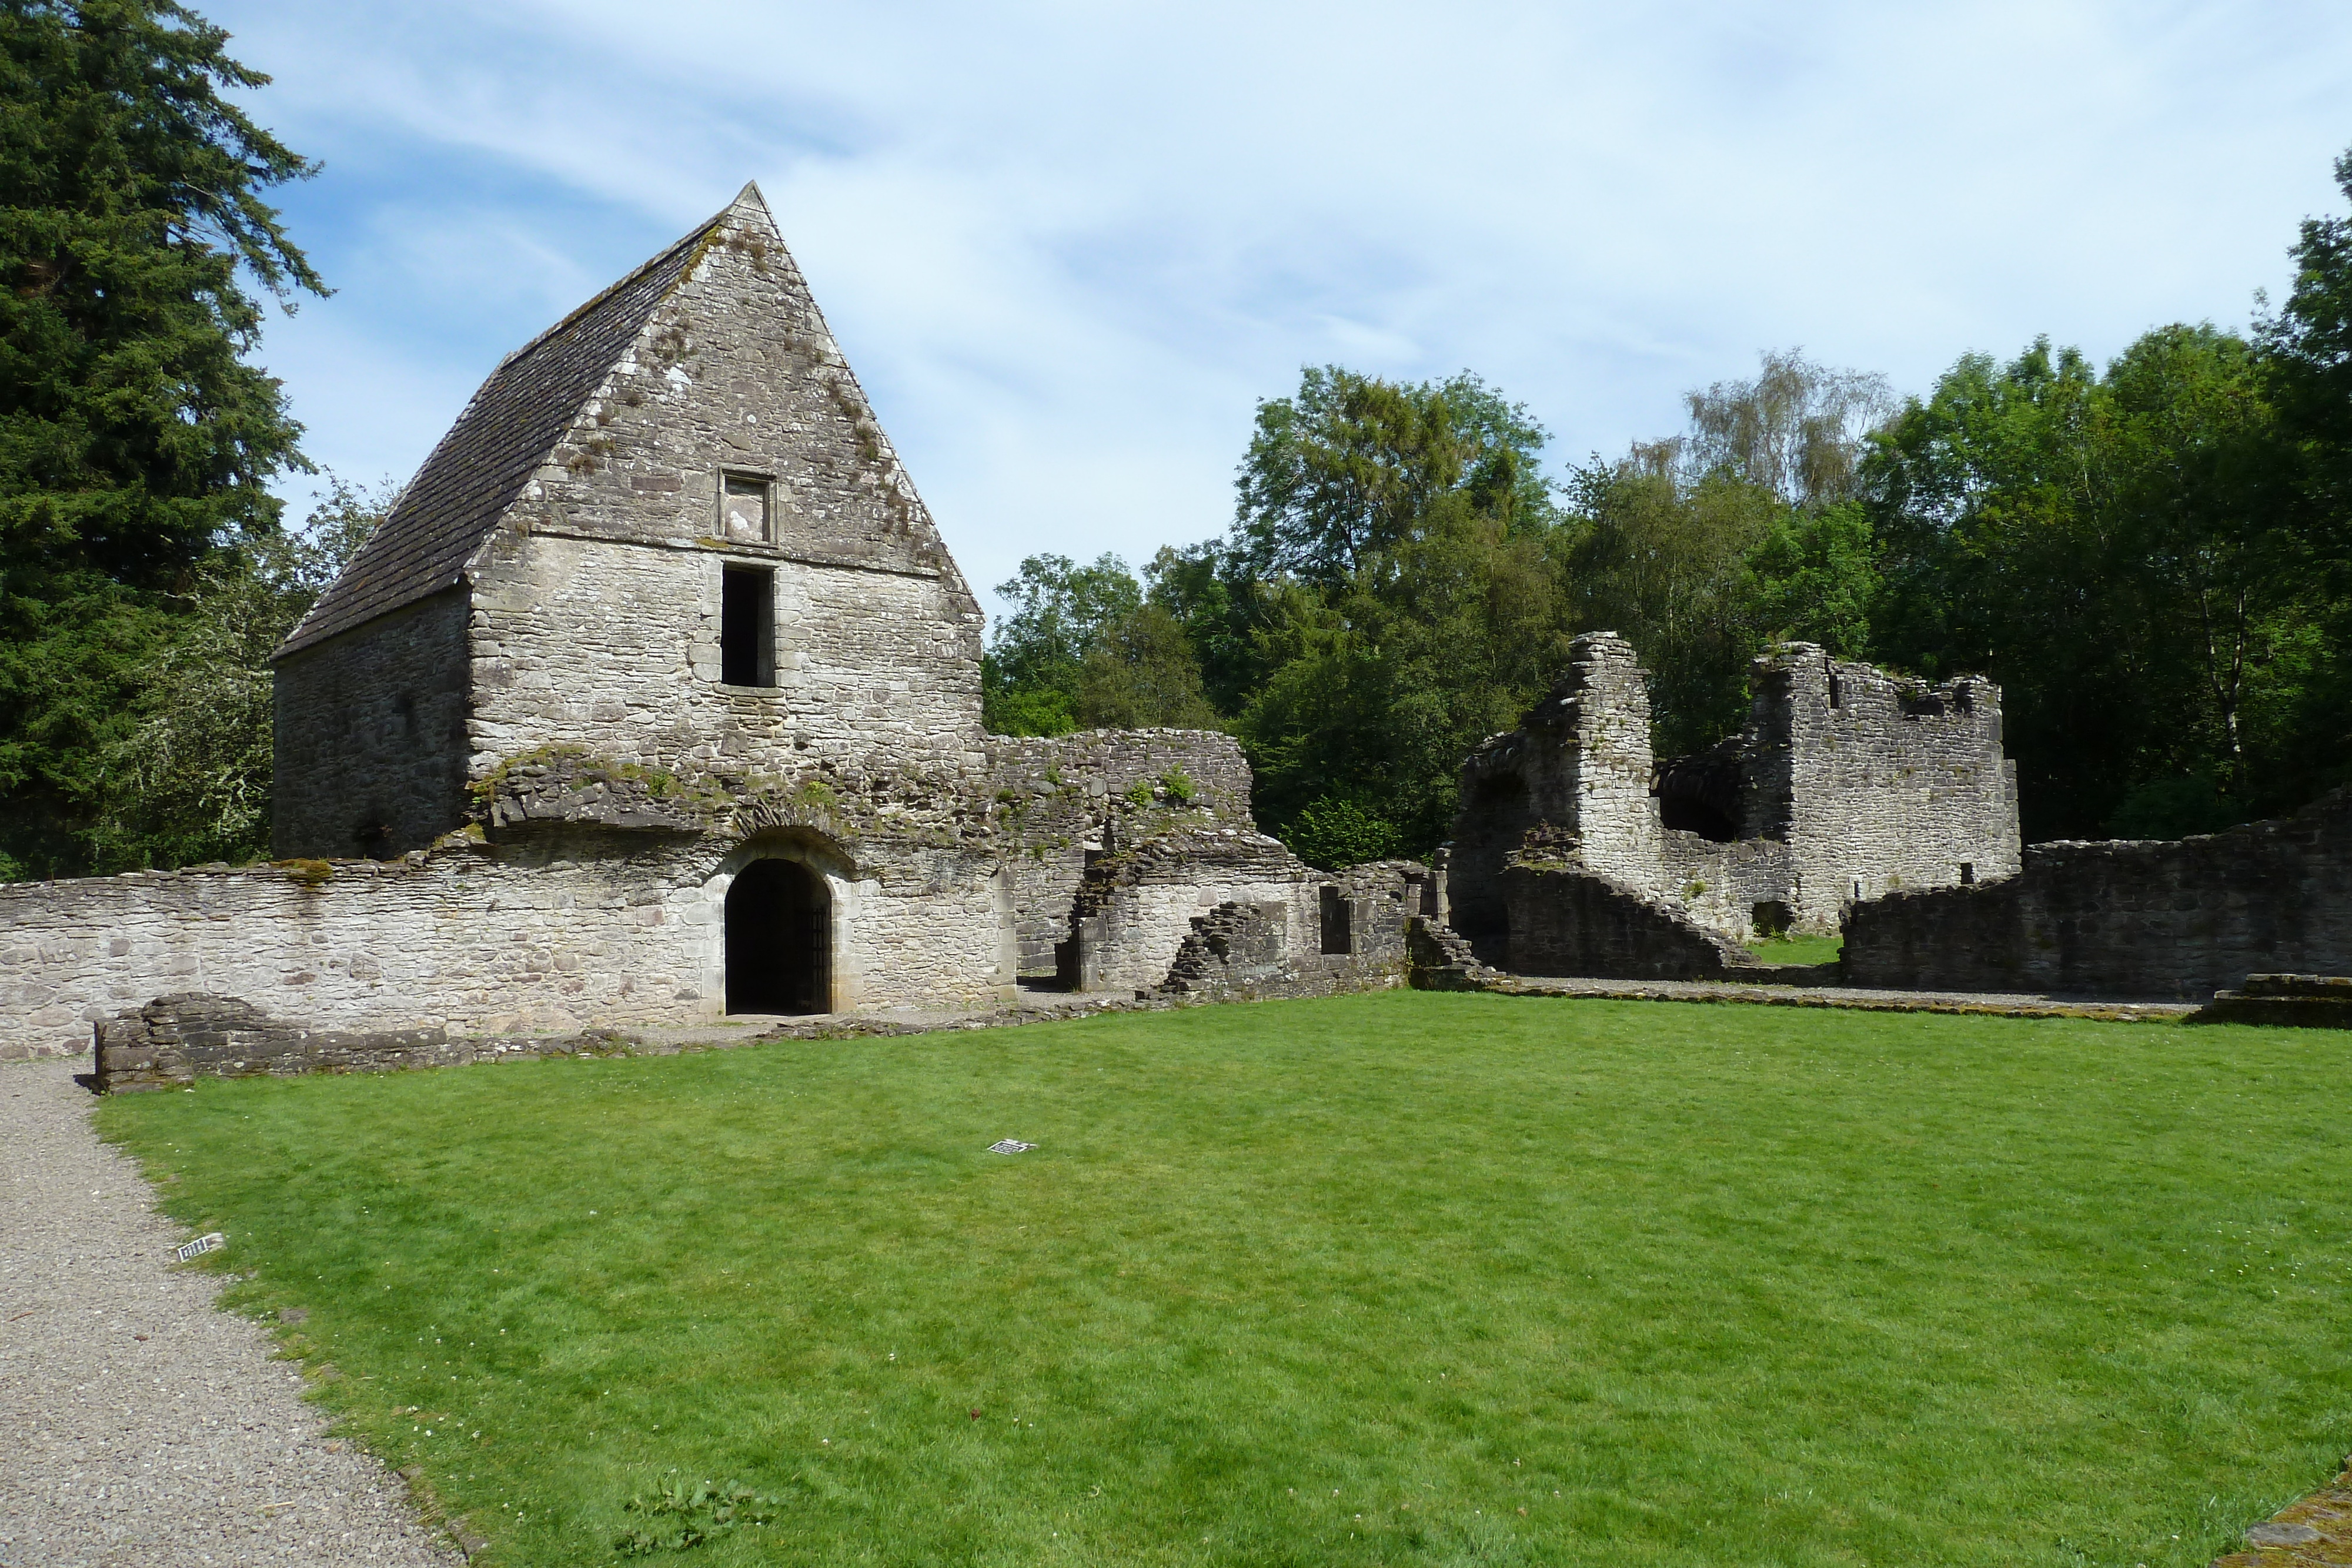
(1010, 1146)
(212, 1241)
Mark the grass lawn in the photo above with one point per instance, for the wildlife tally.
(1399, 1278)
(1799, 949)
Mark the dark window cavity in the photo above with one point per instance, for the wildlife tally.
(1968, 873)
(747, 627)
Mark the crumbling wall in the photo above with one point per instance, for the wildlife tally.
(1247, 951)
(369, 737)
(1136, 903)
(1875, 782)
(2132, 918)
(1568, 920)
(1058, 797)
(1580, 762)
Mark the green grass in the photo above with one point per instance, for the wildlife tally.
(1353, 1282)
(1799, 949)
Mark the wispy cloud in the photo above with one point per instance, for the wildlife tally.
(1068, 246)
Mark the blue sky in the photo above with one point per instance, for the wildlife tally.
(1068, 246)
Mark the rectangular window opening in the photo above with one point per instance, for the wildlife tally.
(743, 507)
(1968, 873)
(1339, 923)
(747, 626)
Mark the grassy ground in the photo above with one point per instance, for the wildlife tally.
(1799, 949)
(1398, 1279)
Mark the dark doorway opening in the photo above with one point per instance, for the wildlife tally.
(1339, 923)
(779, 940)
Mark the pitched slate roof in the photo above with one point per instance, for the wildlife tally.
(503, 436)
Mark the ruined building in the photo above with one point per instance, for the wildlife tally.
(656, 697)
(1577, 853)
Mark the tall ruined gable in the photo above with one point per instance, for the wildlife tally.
(617, 422)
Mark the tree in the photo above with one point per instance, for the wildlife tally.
(1347, 469)
(1030, 675)
(2117, 550)
(192, 781)
(136, 440)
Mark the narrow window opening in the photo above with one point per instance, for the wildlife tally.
(747, 626)
(1338, 926)
(743, 507)
(1835, 693)
(1857, 890)
(1968, 873)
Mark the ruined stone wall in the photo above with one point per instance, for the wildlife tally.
(1580, 762)
(1135, 906)
(1059, 798)
(2138, 919)
(570, 928)
(1565, 921)
(1248, 951)
(369, 735)
(1875, 783)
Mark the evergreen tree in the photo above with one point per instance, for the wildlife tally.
(136, 440)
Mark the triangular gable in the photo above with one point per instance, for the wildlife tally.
(505, 433)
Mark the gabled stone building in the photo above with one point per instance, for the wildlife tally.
(655, 697)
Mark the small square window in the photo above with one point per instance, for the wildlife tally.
(743, 507)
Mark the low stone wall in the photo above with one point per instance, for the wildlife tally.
(1565, 921)
(2290, 1001)
(1240, 951)
(2172, 919)
(561, 933)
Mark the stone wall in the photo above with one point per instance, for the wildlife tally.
(1875, 783)
(1844, 782)
(569, 926)
(1062, 798)
(369, 735)
(2140, 919)
(1249, 951)
(1565, 921)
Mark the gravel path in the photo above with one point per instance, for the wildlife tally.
(139, 1428)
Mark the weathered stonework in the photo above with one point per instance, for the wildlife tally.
(2172, 919)
(655, 696)
(2292, 1001)
(1845, 782)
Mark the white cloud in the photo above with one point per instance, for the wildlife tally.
(1066, 246)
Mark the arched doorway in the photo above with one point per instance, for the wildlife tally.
(779, 939)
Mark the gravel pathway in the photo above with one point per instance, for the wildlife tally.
(139, 1428)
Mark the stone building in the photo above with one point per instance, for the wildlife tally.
(656, 696)
(1845, 784)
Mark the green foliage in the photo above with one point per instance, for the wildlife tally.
(1179, 785)
(1720, 1284)
(135, 442)
(1348, 471)
(2119, 550)
(190, 781)
(1336, 833)
(677, 1516)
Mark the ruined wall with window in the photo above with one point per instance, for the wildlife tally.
(2147, 920)
(1844, 782)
